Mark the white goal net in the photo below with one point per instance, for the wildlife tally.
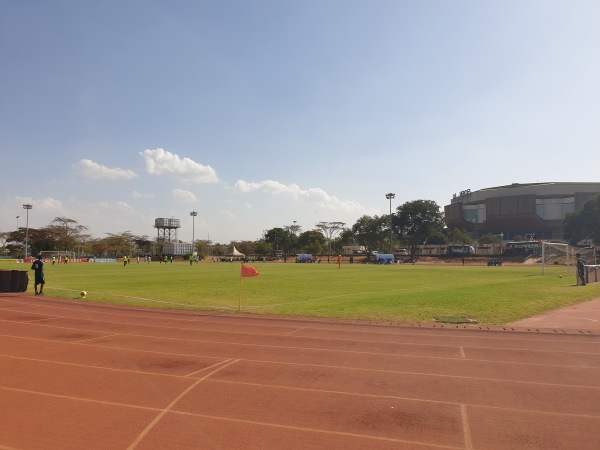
(592, 273)
(559, 257)
(59, 255)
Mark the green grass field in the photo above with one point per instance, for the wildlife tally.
(394, 293)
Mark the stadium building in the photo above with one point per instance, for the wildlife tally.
(533, 211)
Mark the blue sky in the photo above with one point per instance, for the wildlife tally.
(257, 114)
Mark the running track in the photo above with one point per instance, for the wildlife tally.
(77, 375)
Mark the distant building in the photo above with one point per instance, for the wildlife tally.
(534, 211)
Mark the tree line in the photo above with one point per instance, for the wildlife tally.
(413, 223)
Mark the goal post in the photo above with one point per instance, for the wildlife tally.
(58, 253)
(562, 256)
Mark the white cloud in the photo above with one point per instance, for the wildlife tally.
(139, 196)
(312, 195)
(94, 171)
(161, 162)
(42, 203)
(184, 196)
(248, 205)
(227, 214)
(105, 208)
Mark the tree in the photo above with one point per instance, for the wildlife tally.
(312, 242)
(263, 248)
(418, 221)
(67, 233)
(458, 236)
(245, 247)
(203, 247)
(38, 239)
(291, 238)
(330, 230)
(115, 244)
(347, 237)
(143, 244)
(371, 231)
(490, 239)
(585, 223)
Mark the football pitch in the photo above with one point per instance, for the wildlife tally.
(395, 293)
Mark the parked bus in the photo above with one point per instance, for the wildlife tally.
(460, 250)
(523, 248)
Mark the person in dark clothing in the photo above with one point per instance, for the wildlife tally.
(38, 268)
(580, 268)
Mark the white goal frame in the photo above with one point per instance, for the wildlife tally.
(58, 253)
(549, 250)
(566, 252)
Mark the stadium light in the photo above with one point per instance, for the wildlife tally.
(193, 214)
(390, 196)
(26, 207)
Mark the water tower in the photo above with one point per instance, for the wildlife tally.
(167, 229)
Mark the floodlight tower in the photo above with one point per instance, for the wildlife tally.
(390, 196)
(27, 207)
(193, 214)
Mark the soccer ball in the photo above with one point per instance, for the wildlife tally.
(83, 294)
(560, 276)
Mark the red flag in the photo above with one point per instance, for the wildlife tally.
(249, 271)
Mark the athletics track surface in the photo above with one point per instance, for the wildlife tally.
(77, 375)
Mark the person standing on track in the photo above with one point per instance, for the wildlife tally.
(38, 268)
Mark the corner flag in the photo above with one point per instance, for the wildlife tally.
(249, 271)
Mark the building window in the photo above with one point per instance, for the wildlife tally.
(554, 208)
(474, 213)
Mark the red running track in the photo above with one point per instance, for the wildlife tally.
(77, 375)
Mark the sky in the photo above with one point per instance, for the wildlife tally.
(267, 113)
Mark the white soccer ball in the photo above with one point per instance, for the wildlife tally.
(560, 276)
(83, 294)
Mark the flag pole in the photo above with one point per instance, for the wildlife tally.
(240, 299)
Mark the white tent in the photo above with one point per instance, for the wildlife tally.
(234, 252)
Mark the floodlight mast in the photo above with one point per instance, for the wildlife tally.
(390, 196)
(26, 207)
(193, 214)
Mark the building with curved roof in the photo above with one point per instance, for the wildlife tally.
(534, 210)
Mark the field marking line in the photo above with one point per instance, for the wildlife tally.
(284, 363)
(319, 430)
(270, 305)
(157, 419)
(450, 358)
(228, 419)
(466, 428)
(92, 339)
(319, 349)
(315, 338)
(298, 330)
(206, 318)
(87, 366)
(185, 306)
(189, 375)
(409, 399)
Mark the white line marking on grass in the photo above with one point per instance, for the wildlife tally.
(151, 300)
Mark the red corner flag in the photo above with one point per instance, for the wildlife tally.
(248, 271)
